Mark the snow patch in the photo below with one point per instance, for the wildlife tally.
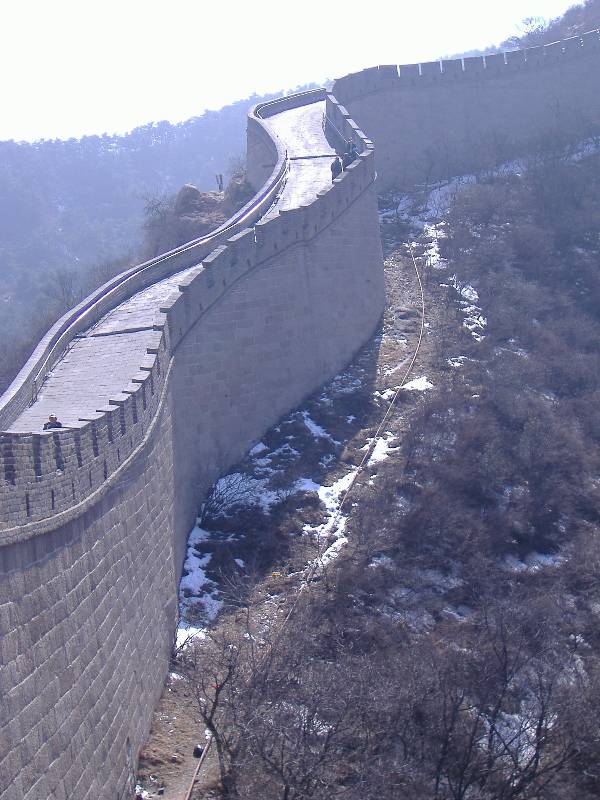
(469, 293)
(418, 385)
(198, 594)
(258, 449)
(382, 561)
(382, 449)
(457, 361)
(534, 562)
(317, 431)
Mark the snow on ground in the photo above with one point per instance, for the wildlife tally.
(467, 292)
(382, 561)
(418, 385)
(424, 206)
(432, 253)
(334, 549)
(239, 489)
(457, 361)
(317, 431)
(258, 448)
(534, 562)
(382, 450)
(474, 320)
(345, 383)
(330, 495)
(334, 525)
(459, 613)
(198, 594)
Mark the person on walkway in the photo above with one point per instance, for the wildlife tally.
(336, 168)
(353, 151)
(346, 159)
(52, 422)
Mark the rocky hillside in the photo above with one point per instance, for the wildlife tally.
(171, 221)
(394, 595)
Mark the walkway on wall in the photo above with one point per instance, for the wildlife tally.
(101, 362)
(310, 154)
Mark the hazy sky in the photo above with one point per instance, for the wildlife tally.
(71, 67)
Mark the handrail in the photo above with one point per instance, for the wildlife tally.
(289, 101)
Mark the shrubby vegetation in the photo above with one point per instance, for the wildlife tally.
(453, 652)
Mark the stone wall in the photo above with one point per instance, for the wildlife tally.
(87, 613)
(444, 118)
(94, 520)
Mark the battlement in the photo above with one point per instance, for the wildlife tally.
(44, 475)
(446, 72)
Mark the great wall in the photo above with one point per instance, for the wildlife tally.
(166, 375)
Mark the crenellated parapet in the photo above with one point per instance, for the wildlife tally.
(446, 72)
(47, 474)
(453, 116)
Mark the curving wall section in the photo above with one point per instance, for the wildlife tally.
(95, 517)
(247, 322)
(449, 117)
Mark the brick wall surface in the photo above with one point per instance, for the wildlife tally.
(87, 613)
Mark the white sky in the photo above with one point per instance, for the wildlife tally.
(71, 67)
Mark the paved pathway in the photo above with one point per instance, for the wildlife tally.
(100, 363)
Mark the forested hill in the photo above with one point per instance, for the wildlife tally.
(82, 200)
(536, 30)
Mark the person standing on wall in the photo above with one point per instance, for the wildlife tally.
(53, 422)
(336, 168)
(347, 157)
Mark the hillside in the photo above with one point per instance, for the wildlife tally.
(395, 594)
(535, 31)
(436, 638)
(576, 20)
